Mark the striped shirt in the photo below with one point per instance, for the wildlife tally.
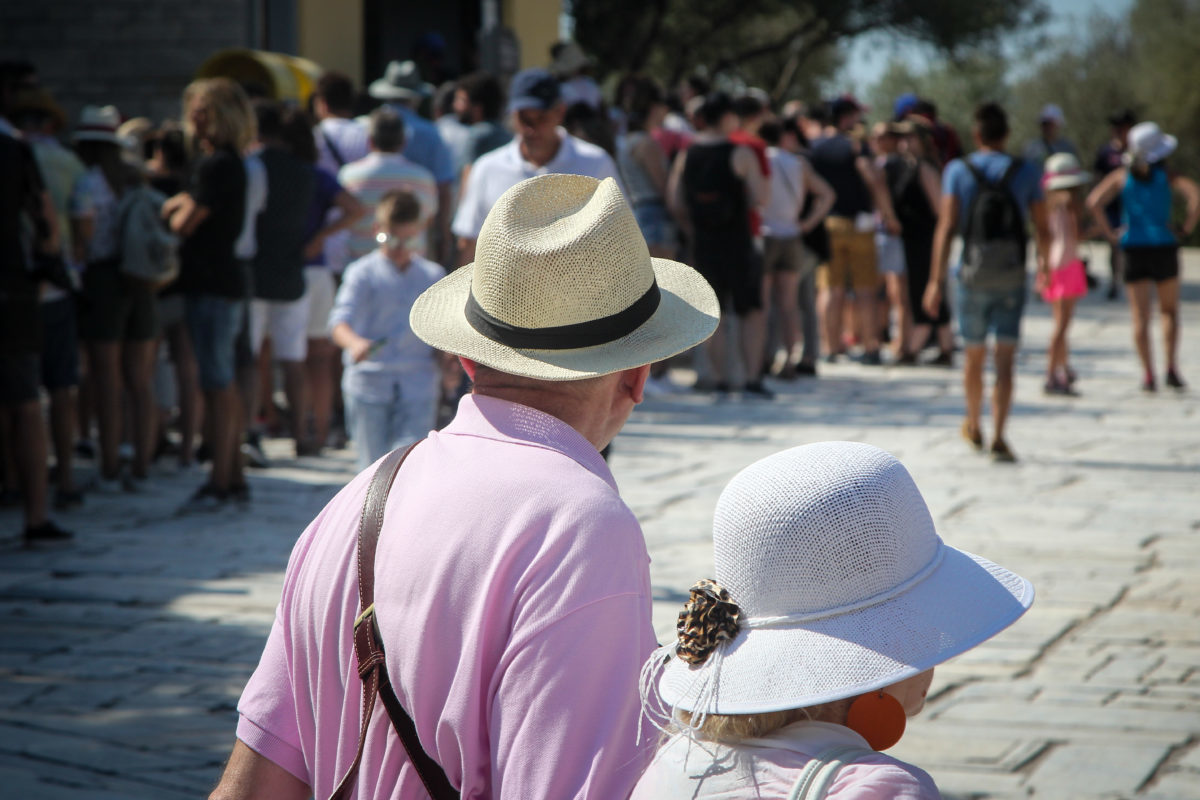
(370, 178)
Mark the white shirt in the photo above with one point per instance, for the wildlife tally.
(348, 136)
(770, 766)
(500, 170)
(92, 198)
(781, 214)
(246, 245)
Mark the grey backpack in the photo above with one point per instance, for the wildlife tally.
(994, 240)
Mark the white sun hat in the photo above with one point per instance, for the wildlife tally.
(842, 587)
(563, 288)
(1062, 171)
(1149, 143)
(98, 124)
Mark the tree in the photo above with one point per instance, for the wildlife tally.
(670, 38)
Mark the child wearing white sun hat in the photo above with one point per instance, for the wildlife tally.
(833, 601)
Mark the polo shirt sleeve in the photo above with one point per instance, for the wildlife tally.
(267, 708)
(564, 718)
(468, 220)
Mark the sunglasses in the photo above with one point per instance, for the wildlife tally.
(396, 242)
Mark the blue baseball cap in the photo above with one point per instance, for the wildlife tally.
(533, 88)
(904, 104)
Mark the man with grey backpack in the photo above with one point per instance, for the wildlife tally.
(990, 198)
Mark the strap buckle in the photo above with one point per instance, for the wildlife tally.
(369, 611)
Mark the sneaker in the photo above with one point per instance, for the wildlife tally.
(1001, 452)
(253, 452)
(64, 501)
(1174, 381)
(758, 389)
(46, 533)
(206, 499)
(1148, 385)
(975, 438)
(1060, 387)
(907, 360)
(806, 370)
(871, 358)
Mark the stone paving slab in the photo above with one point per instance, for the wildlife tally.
(122, 657)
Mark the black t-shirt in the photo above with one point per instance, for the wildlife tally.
(282, 226)
(206, 260)
(834, 160)
(20, 193)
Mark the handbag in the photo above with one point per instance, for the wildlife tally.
(368, 645)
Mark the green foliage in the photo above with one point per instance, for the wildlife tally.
(786, 47)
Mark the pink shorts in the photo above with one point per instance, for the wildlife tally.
(1067, 282)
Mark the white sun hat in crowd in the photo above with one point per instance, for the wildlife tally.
(563, 288)
(841, 584)
(1149, 143)
(98, 124)
(1062, 171)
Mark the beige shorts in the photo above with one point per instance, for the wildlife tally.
(852, 258)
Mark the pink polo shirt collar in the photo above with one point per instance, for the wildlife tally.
(493, 418)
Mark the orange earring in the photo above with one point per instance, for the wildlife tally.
(877, 717)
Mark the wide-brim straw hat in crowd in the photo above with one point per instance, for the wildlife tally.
(842, 583)
(1062, 171)
(1148, 143)
(563, 288)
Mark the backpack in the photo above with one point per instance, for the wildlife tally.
(149, 251)
(994, 240)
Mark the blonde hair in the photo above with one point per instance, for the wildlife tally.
(734, 728)
(232, 122)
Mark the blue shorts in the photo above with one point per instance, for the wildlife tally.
(998, 311)
(655, 224)
(214, 323)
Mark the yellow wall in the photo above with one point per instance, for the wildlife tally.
(331, 34)
(536, 24)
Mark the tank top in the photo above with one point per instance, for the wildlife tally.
(1146, 210)
(715, 196)
(1064, 237)
(633, 174)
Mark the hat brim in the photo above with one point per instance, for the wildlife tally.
(380, 89)
(1068, 181)
(964, 601)
(687, 314)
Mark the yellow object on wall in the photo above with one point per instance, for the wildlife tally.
(535, 22)
(284, 77)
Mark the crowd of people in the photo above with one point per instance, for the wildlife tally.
(295, 239)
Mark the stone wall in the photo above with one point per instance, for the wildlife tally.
(135, 54)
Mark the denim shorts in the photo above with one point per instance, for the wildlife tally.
(655, 224)
(998, 311)
(214, 323)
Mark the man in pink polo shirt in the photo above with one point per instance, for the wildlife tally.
(512, 586)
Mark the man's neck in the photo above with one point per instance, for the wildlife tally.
(584, 414)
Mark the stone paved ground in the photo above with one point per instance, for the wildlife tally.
(121, 658)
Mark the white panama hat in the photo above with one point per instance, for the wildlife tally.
(563, 288)
(843, 586)
(98, 124)
(1062, 171)
(1149, 143)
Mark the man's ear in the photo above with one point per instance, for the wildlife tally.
(468, 367)
(633, 382)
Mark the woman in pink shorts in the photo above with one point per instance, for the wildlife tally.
(1063, 280)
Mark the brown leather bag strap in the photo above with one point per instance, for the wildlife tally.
(368, 648)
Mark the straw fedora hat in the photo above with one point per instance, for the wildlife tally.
(1062, 171)
(98, 124)
(401, 81)
(842, 586)
(563, 288)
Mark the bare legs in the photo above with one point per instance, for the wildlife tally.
(320, 366)
(1002, 390)
(1058, 366)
